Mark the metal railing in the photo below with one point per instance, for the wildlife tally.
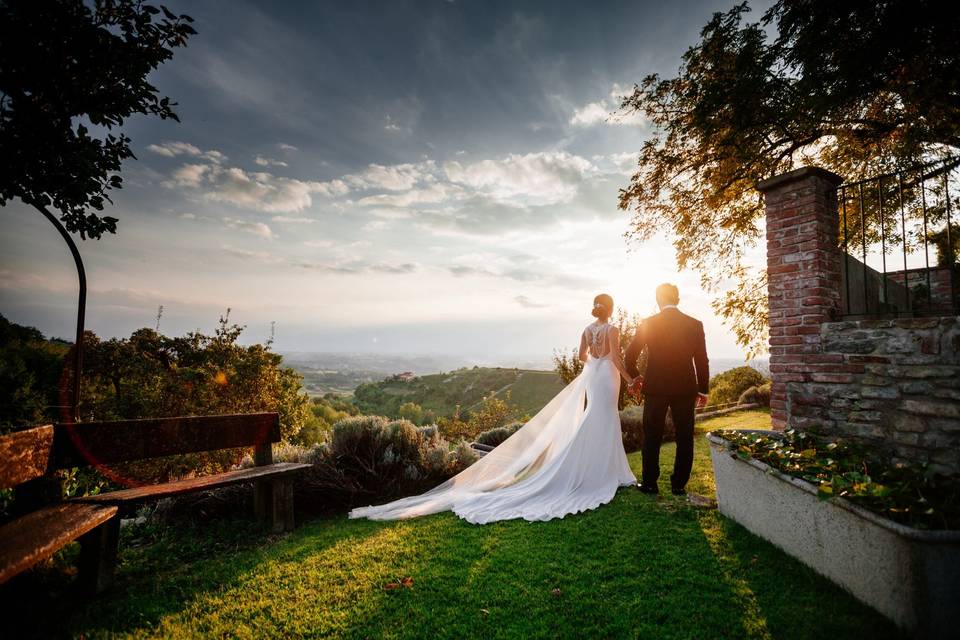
(887, 226)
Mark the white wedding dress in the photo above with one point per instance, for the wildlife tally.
(568, 458)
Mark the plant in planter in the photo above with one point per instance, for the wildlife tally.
(887, 533)
(911, 495)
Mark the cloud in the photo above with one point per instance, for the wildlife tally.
(431, 194)
(256, 228)
(259, 190)
(623, 163)
(590, 114)
(293, 220)
(543, 178)
(173, 149)
(342, 267)
(406, 267)
(527, 303)
(547, 276)
(286, 147)
(398, 177)
(265, 192)
(269, 162)
(607, 111)
(189, 175)
(393, 127)
(375, 225)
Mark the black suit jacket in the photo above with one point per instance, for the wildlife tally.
(676, 355)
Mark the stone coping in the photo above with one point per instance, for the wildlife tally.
(798, 174)
(920, 535)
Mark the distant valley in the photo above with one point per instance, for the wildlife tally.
(529, 381)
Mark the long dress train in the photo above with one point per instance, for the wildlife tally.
(568, 458)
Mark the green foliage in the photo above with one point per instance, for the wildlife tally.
(497, 435)
(756, 395)
(67, 65)
(30, 371)
(946, 251)
(440, 394)
(414, 413)
(854, 87)
(371, 459)
(631, 428)
(664, 569)
(151, 375)
(912, 495)
(324, 413)
(729, 385)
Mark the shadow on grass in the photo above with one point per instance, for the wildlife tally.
(162, 570)
(641, 566)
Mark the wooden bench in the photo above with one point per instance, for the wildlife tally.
(25, 459)
(98, 443)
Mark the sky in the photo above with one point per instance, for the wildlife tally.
(428, 177)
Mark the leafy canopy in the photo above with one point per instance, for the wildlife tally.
(856, 87)
(71, 72)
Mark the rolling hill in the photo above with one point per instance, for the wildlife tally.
(440, 393)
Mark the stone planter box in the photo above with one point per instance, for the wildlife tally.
(910, 576)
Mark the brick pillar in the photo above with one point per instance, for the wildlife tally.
(803, 272)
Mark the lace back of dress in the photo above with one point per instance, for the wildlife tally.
(597, 339)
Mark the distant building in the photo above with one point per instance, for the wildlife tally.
(406, 376)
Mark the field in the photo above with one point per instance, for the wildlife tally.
(441, 393)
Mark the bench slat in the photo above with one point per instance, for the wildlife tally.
(25, 455)
(86, 443)
(38, 535)
(190, 485)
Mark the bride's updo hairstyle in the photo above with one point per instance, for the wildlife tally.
(602, 307)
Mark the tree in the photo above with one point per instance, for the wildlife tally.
(856, 87)
(66, 66)
(729, 385)
(70, 73)
(411, 411)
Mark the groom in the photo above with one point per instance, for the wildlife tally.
(677, 378)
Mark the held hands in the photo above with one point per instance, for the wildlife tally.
(635, 386)
(701, 400)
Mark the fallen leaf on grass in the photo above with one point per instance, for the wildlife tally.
(556, 592)
(406, 581)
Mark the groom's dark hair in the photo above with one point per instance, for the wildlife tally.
(668, 294)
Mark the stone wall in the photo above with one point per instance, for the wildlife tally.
(894, 383)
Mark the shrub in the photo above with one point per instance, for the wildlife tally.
(729, 385)
(756, 395)
(493, 437)
(371, 459)
(631, 428)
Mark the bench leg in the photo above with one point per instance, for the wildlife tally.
(273, 503)
(98, 556)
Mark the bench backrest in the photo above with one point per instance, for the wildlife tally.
(86, 443)
(33, 453)
(25, 455)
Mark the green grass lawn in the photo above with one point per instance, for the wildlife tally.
(641, 566)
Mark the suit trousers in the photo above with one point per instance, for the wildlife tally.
(682, 409)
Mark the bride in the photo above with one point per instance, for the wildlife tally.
(568, 458)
